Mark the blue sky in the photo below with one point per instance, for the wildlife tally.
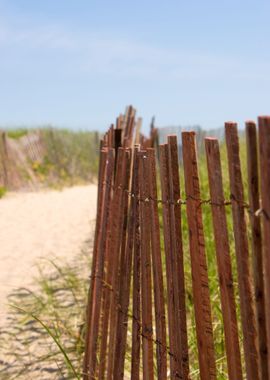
(78, 63)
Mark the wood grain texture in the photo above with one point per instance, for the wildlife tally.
(257, 260)
(264, 147)
(176, 370)
(201, 293)
(177, 250)
(101, 177)
(117, 250)
(223, 259)
(136, 292)
(125, 281)
(109, 262)
(99, 269)
(161, 344)
(242, 253)
(146, 292)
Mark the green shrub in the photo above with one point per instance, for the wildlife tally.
(3, 191)
(17, 133)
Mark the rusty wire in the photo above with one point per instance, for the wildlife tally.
(183, 201)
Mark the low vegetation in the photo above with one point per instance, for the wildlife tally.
(3, 191)
(43, 335)
(17, 133)
(71, 157)
(47, 157)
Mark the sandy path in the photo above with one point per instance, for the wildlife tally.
(43, 224)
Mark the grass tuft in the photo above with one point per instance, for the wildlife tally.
(43, 336)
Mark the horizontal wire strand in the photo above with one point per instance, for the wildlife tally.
(184, 201)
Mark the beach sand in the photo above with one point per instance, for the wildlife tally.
(44, 224)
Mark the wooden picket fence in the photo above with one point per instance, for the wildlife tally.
(128, 283)
(15, 158)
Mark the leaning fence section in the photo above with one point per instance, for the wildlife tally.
(137, 323)
(17, 160)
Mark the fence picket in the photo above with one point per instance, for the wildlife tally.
(117, 237)
(101, 181)
(109, 261)
(264, 144)
(125, 281)
(146, 293)
(176, 370)
(99, 270)
(136, 293)
(201, 294)
(242, 253)
(223, 259)
(176, 238)
(161, 345)
(254, 201)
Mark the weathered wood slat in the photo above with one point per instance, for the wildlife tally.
(177, 250)
(254, 202)
(201, 293)
(223, 259)
(264, 147)
(99, 270)
(101, 186)
(125, 281)
(161, 344)
(136, 293)
(146, 292)
(242, 253)
(114, 217)
(117, 249)
(176, 370)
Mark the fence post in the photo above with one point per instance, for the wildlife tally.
(242, 254)
(223, 259)
(201, 294)
(264, 146)
(254, 201)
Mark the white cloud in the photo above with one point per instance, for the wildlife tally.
(49, 37)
